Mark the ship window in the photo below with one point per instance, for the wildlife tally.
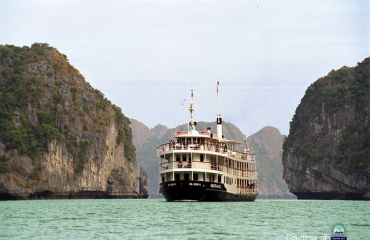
(189, 157)
(177, 158)
(184, 158)
(186, 176)
(219, 178)
(195, 176)
(177, 177)
(201, 157)
(162, 178)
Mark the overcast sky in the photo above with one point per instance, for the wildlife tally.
(145, 56)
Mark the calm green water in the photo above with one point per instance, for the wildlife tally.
(157, 219)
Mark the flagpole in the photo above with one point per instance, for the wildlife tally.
(191, 110)
(218, 100)
(218, 119)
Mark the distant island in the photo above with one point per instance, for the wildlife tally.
(60, 138)
(266, 144)
(327, 152)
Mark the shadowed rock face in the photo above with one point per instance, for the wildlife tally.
(267, 144)
(59, 136)
(143, 183)
(327, 152)
(268, 147)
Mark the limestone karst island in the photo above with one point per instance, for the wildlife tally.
(61, 138)
(178, 120)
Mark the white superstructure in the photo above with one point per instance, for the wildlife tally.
(202, 165)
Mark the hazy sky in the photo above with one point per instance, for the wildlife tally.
(146, 55)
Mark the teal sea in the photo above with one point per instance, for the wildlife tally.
(157, 219)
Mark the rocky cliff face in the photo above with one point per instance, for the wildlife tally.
(143, 183)
(267, 144)
(146, 142)
(159, 130)
(59, 136)
(327, 152)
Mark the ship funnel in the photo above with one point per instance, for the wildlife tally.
(219, 128)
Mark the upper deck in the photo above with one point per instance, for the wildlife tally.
(202, 142)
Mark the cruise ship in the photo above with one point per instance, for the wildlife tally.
(205, 166)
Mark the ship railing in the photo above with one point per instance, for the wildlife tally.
(246, 190)
(166, 165)
(193, 164)
(169, 147)
(181, 165)
(249, 173)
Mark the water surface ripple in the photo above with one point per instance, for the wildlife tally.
(157, 219)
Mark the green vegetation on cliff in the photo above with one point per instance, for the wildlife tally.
(339, 102)
(43, 98)
(328, 147)
(16, 95)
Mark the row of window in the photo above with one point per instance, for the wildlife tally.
(186, 157)
(191, 141)
(212, 178)
(228, 180)
(243, 183)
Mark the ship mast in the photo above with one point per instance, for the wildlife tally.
(246, 147)
(191, 125)
(218, 119)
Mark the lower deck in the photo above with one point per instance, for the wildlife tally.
(232, 184)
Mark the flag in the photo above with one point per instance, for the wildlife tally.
(218, 84)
